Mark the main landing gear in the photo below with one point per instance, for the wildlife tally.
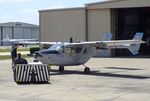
(86, 69)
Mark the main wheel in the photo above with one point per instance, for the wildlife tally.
(87, 70)
(61, 68)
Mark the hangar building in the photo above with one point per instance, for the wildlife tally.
(18, 30)
(123, 18)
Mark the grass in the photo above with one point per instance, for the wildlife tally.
(9, 57)
(5, 57)
(9, 50)
(19, 49)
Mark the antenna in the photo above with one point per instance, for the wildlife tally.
(71, 40)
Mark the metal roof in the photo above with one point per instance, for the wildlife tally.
(104, 2)
(118, 4)
(17, 24)
(59, 9)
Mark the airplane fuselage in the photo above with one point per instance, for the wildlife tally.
(65, 56)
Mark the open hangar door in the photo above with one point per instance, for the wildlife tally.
(128, 21)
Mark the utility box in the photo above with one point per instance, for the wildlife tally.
(32, 73)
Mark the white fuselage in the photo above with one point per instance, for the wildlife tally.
(61, 55)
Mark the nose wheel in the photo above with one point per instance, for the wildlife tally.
(35, 61)
(61, 68)
(86, 69)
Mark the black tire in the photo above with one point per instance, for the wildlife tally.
(61, 68)
(86, 70)
(35, 61)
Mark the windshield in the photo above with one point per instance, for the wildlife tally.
(57, 47)
(49, 52)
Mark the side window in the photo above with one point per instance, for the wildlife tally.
(72, 50)
(67, 50)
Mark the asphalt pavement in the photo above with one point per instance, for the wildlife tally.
(111, 79)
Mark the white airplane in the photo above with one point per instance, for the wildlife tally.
(78, 53)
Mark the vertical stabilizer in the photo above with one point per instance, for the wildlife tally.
(134, 48)
(107, 36)
(138, 36)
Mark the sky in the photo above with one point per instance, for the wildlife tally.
(27, 10)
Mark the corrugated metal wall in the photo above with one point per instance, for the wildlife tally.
(18, 33)
(95, 19)
(86, 23)
(35, 33)
(60, 25)
(27, 33)
(99, 22)
(7, 32)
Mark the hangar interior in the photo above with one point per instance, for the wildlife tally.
(128, 21)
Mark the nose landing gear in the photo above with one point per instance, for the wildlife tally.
(61, 68)
(86, 69)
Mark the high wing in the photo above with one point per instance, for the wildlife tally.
(106, 36)
(27, 42)
(17, 41)
(42, 45)
(38, 43)
(133, 45)
(112, 43)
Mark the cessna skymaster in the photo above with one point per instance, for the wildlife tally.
(78, 53)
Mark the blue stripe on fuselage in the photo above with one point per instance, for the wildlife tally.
(49, 52)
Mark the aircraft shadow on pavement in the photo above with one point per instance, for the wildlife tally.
(98, 73)
(122, 68)
(34, 83)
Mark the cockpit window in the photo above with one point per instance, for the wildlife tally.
(72, 50)
(57, 47)
(69, 50)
